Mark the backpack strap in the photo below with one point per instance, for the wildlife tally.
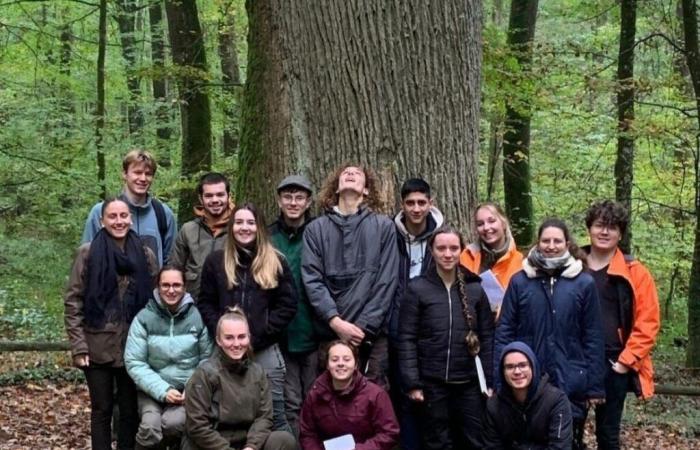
(161, 219)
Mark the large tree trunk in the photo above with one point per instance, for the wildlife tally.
(126, 19)
(690, 33)
(394, 85)
(516, 141)
(231, 77)
(188, 52)
(159, 84)
(100, 107)
(624, 164)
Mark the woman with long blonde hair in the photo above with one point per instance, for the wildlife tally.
(251, 274)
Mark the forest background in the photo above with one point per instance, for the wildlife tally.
(535, 106)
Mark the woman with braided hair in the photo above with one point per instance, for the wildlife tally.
(445, 323)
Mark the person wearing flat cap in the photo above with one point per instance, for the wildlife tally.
(300, 346)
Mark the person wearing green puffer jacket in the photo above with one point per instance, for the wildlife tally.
(167, 341)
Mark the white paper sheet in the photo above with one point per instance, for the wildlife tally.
(345, 442)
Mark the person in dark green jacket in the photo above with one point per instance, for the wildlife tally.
(301, 343)
(167, 341)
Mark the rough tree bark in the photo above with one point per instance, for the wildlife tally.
(516, 140)
(100, 107)
(231, 77)
(624, 164)
(159, 81)
(187, 44)
(126, 20)
(394, 85)
(690, 35)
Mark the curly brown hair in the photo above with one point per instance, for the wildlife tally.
(328, 194)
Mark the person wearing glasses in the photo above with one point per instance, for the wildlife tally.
(528, 411)
(167, 341)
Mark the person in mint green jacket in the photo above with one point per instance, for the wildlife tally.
(167, 341)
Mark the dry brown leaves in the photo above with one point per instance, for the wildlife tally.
(44, 416)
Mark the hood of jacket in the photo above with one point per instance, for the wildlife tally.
(521, 347)
(434, 220)
(324, 384)
(162, 308)
(572, 268)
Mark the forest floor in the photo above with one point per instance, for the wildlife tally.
(54, 413)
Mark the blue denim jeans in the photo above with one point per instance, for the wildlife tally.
(272, 362)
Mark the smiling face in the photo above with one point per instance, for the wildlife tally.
(341, 363)
(552, 242)
(517, 371)
(233, 338)
(214, 199)
(137, 179)
(171, 288)
(604, 238)
(244, 227)
(352, 179)
(116, 219)
(293, 203)
(446, 249)
(490, 227)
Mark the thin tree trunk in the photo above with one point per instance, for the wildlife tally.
(159, 82)
(231, 78)
(394, 85)
(187, 44)
(690, 33)
(495, 150)
(624, 164)
(516, 141)
(100, 107)
(126, 19)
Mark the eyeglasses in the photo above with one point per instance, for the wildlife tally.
(173, 286)
(290, 198)
(521, 366)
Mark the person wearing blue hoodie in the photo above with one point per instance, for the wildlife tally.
(528, 411)
(167, 341)
(151, 219)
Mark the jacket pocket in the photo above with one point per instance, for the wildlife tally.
(576, 381)
(104, 346)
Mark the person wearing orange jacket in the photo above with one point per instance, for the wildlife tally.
(494, 256)
(630, 315)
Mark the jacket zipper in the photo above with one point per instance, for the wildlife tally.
(172, 321)
(243, 288)
(559, 430)
(449, 336)
(552, 280)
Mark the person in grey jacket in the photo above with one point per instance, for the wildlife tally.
(167, 341)
(349, 265)
(206, 232)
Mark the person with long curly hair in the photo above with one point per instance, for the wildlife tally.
(349, 265)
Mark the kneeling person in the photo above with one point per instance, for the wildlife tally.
(528, 411)
(166, 342)
(228, 400)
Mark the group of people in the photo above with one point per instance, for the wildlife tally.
(351, 330)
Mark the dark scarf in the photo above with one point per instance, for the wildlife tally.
(489, 255)
(105, 263)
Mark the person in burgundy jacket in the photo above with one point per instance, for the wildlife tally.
(342, 401)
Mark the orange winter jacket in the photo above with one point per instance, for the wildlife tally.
(506, 266)
(639, 336)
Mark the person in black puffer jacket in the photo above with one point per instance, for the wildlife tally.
(251, 274)
(438, 367)
(528, 412)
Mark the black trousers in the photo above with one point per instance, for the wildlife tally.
(451, 415)
(101, 381)
(609, 415)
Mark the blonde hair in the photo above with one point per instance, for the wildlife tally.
(497, 211)
(266, 266)
(235, 314)
(139, 156)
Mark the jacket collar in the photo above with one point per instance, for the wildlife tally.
(291, 232)
(434, 220)
(431, 274)
(572, 268)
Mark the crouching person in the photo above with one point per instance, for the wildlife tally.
(166, 342)
(528, 411)
(227, 400)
